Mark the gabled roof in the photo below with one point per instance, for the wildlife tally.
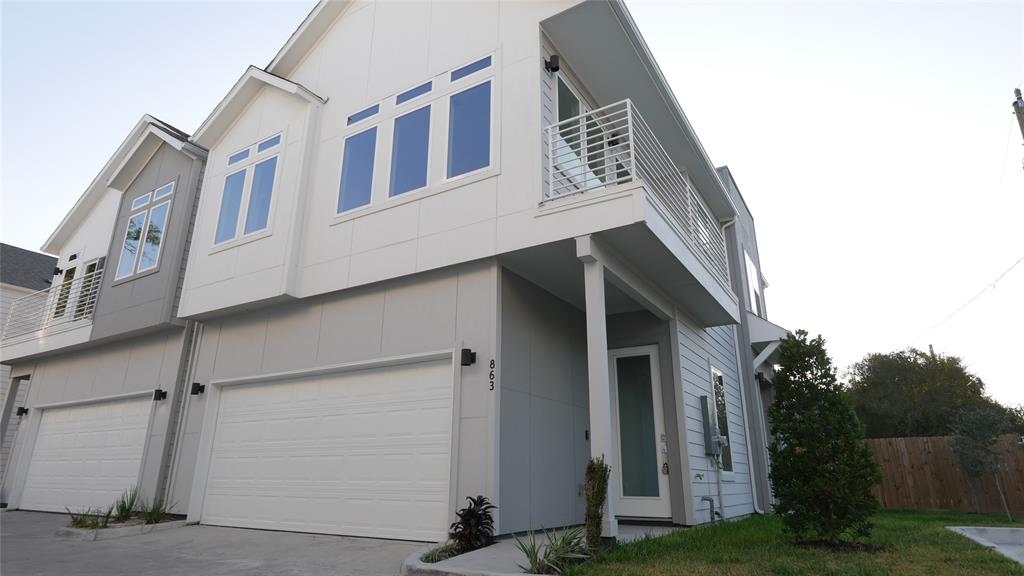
(145, 146)
(244, 90)
(25, 268)
(306, 35)
(143, 128)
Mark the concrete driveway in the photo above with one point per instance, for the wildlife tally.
(28, 546)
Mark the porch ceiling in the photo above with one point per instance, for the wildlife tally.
(599, 40)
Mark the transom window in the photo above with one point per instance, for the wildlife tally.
(754, 296)
(722, 417)
(248, 191)
(404, 131)
(144, 234)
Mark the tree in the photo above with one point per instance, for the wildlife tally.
(822, 470)
(975, 432)
(914, 393)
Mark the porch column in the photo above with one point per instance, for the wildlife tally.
(601, 430)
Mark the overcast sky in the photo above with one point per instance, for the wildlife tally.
(874, 142)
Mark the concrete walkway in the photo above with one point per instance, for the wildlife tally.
(1007, 541)
(29, 546)
(503, 558)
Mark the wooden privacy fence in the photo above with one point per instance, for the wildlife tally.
(924, 474)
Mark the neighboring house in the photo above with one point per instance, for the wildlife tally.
(102, 347)
(22, 272)
(448, 249)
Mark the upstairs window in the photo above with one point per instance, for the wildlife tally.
(722, 416)
(144, 234)
(754, 296)
(409, 151)
(357, 170)
(248, 191)
(469, 130)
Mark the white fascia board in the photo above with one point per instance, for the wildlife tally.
(244, 90)
(145, 146)
(94, 191)
(306, 35)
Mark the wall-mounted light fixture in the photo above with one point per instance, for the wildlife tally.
(468, 357)
(551, 64)
(159, 394)
(21, 411)
(198, 388)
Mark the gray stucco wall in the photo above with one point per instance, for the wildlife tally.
(543, 448)
(147, 300)
(416, 314)
(136, 365)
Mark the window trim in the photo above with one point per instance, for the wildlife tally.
(391, 153)
(374, 180)
(248, 166)
(120, 252)
(448, 140)
(159, 247)
(169, 186)
(726, 475)
(136, 205)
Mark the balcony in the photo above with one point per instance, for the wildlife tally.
(51, 318)
(613, 146)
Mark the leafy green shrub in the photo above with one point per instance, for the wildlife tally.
(822, 470)
(597, 476)
(564, 549)
(475, 525)
(442, 552)
(154, 512)
(126, 504)
(90, 518)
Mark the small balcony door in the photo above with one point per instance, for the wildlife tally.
(640, 442)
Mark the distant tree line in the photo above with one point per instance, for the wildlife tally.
(914, 393)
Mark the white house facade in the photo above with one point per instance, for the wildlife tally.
(448, 249)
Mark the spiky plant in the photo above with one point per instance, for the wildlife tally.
(475, 526)
(126, 503)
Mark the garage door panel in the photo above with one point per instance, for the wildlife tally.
(86, 455)
(364, 453)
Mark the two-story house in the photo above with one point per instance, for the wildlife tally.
(447, 249)
(102, 346)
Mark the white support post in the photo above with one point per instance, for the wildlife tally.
(602, 441)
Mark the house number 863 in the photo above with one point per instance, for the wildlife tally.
(491, 376)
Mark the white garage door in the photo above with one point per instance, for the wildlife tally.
(85, 456)
(363, 453)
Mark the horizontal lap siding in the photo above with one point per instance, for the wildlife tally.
(696, 348)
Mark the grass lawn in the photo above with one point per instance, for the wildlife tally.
(913, 542)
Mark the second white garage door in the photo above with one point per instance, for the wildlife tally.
(363, 453)
(86, 455)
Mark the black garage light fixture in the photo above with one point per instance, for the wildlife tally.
(551, 64)
(21, 411)
(468, 357)
(159, 394)
(198, 388)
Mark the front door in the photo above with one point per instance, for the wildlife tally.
(640, 442)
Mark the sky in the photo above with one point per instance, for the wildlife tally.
(873, 141)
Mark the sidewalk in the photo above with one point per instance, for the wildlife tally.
(503, 558)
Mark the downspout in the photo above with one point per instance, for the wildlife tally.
(181, 412)
(741, 371)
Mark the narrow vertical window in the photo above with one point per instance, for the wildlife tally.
(154, 237)
(258, 211)
(409, 151)
(722, 415)
(230, 204)
(469, 130)
(130, 246)
(65, 293)
(357, 170)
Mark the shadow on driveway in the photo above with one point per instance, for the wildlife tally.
(28, 546)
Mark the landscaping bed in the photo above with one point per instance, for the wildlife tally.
(912, 543)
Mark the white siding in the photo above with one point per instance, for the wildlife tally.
(698, 348)
(9, 294)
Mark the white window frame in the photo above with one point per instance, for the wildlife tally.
(439, 99)
(147, 209)
(248, 166)
(727, 475)
(374, 179)
(755, 295)
(458, 88)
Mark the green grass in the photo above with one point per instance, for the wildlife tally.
(914, 543)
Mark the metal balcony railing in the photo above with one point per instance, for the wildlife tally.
(614, 145)
(63, 305)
